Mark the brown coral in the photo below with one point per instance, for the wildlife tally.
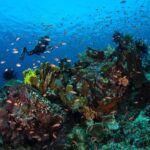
(89, 113)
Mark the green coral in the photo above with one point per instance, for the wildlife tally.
(78, 138)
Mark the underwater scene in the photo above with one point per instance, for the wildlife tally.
(75, 75)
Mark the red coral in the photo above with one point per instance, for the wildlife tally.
(108, 107)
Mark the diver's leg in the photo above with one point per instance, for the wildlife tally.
(30, 52)
(23, 53)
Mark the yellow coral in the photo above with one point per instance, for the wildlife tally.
(28, 75)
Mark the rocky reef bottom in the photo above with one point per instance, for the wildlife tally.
(101, 102)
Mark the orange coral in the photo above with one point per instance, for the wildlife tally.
(123, 81)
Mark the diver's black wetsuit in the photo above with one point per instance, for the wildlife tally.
(38, 49)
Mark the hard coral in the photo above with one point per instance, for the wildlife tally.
(27, 117)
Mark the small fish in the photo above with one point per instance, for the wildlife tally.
(108, 97)
(56, 125)
(73, 92)
(34, 67)
(38, 61)
(45, 135)
(15, 49)
(54, 136)
(15, 52)
(77, 100)
(12, 115)
(44, 95)
(74, 78)
(131, 118)
(123, 1)
(3, 62)
(18, 38)
(48, 52)
(56, 59)
(113, 112)
(19, 129)
(66, 110)
(18, 65)
(68, 60)
(63, 43)
(138, 72)
(9, 122)
(9, 101)
(43, 57)
(115, 76)
(39, 139)
(74, 142)
(45, 146)
(7, 50)
(15, 104)
(12, 43)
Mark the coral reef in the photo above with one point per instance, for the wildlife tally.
(99, 102)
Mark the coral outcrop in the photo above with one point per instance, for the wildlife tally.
(27, 117)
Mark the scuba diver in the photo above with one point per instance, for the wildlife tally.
(41, 47)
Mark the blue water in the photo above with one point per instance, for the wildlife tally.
(77, 23)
